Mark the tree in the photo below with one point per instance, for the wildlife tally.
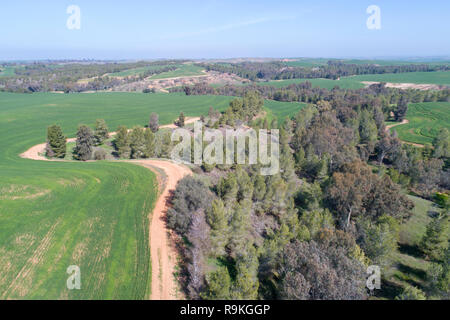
(442, 144)
(56, 142)
(84, 143)
(181, 120)
(402, 108)
(435, 240)
(137, 143)
(190, 196)
(217, 219)
(149, 138)
(101, 132)
(122, 143)
(321, 270)
(411, 293)
(154, 122)
(218, 285)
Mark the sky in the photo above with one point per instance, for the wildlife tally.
(147, 29)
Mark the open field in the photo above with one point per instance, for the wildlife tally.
(281, 110)
(184, 70)
(425, 121)
(94, 215)
(438, 77)
(314, 62)
(409, 265)
(7, 71)
(135, 71)
(344, 83)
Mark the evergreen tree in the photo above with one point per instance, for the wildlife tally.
(442, 144)
(217, 219)
(101, 132)
(84, 143)
(122, 143)
(154, 122)
(435, 239)
(137, 143)
(218, 285)
(149, 138)
(181, 120)
(56, 142)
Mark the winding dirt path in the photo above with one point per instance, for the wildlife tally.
(405, 121)
(162, 251)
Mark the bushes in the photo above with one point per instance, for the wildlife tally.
(100, 154)
(191, 195)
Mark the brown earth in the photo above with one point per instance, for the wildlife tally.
(162, 251)
(404, 86)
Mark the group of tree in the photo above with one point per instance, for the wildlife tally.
(334, 69)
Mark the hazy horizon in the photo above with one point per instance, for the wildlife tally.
(214, 29)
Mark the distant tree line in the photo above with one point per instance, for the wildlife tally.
(333, 70)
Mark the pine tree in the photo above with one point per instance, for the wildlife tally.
(56, 142)
(101, 132)
(218, 285)
(181, 120)
(435, 239)
(217, 219)
(137, 143)
(154, 122)
(122, 143)
(84, 143)
(149, 138)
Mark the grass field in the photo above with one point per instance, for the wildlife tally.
(94, 215)
(281, 110)
(425, 121)
(135, 71)
(7, 71)
(184, 70)
(438, 77)
(409, 265)
(344, 83)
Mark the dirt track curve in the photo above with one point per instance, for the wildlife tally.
(162, 252)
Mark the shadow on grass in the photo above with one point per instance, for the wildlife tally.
(412, 271)
(411, 250)
(389, 289)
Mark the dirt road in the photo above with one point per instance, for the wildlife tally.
(405, 121)
(162, 252)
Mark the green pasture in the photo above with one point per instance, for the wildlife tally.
(425, 121)
(437, 77)
(93, 215)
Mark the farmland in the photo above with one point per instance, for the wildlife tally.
(184, 70)
(94, 215)
(344, 83)
(425, 121)
(136, 71)
(438, 77)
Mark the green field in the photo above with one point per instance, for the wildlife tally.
(281, 110)
(425, 121)
(184, 70)
(94, 215)
(409, 266)
(438, 77)
(7, 71)
(344, 83)
(135, 71)
(314, 62)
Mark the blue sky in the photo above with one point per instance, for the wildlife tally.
(136, 29)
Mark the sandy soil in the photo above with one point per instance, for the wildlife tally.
(405, 121)
(162, 251)
(405, 86)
